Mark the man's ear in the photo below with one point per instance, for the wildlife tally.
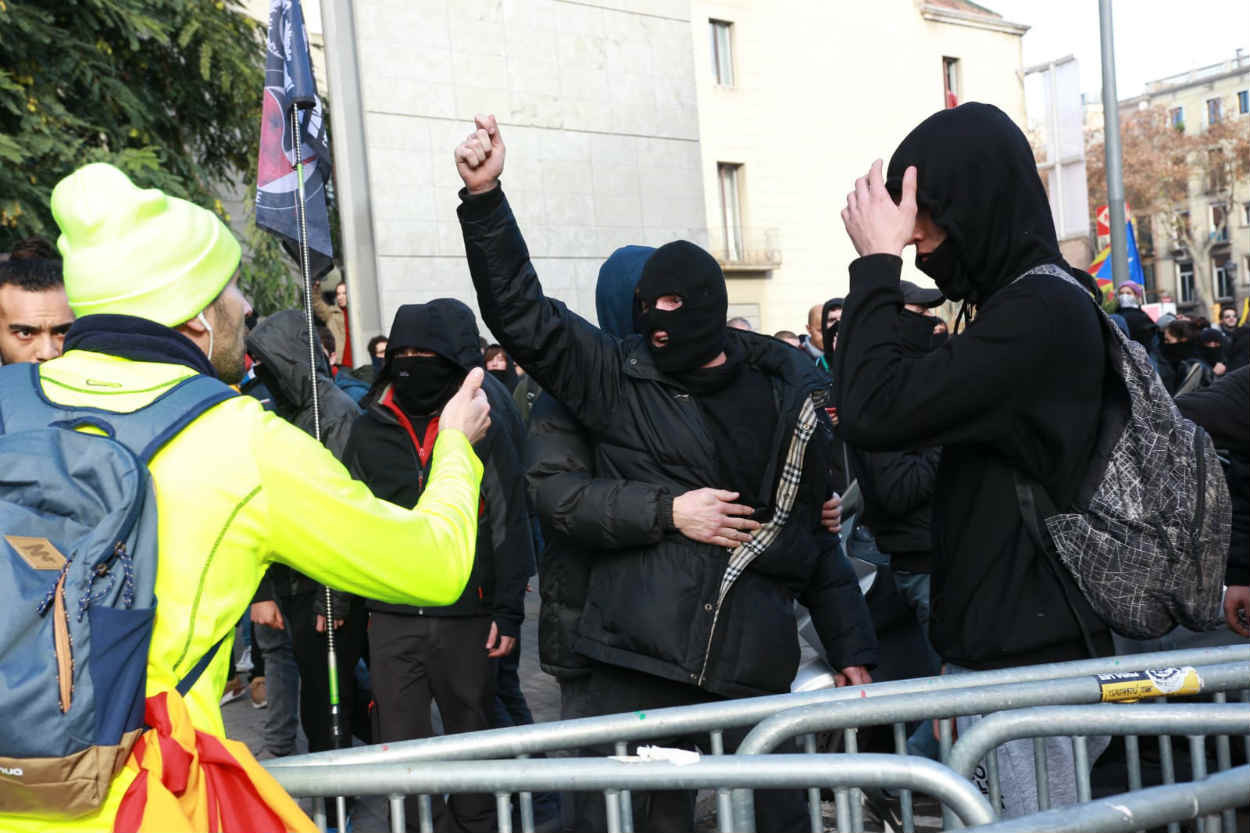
(195, 326)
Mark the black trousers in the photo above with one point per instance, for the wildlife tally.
(608, 689)
(310, 656)
(419, 659)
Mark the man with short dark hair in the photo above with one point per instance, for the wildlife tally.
(34, 248)
(34, 314)
(1228, 321)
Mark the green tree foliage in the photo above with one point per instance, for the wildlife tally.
(167, 90)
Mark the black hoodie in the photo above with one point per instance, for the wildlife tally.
(391, 453)
(1018, 392)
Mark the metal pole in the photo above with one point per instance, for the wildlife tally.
(336, 724)
(351, 173)
(1111, 143)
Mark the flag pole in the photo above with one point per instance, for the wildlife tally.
(336, 722)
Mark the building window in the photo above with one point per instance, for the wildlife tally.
(722, 52)
(950, 82)
(1184, 229)
(1243, 102)
(730, 176)
(1143, 228)
(1177, 116)
(1213, 111)
(1185, 282)
(1222, 280)
(1218, 234)
(1246, 216)
(1148, 274)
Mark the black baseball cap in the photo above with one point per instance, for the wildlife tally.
(919, 296)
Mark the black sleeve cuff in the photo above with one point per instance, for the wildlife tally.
(877, 266)
(664, 513)
(480, 206)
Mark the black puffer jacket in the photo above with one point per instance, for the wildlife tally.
(574, 508)
(279, 346)
(652, 608)
(1015, 393)
(383, 454)
(898, 503)
(1223, 409)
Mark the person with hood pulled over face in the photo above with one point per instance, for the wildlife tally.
(1009, 400)
(681, 403)
(444, 654)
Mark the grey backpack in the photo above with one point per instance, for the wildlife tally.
(1147, 537)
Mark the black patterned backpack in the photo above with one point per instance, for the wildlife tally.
(1147, 537)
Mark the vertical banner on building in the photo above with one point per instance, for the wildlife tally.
(289, 85)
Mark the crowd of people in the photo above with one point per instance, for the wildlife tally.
(674, 480)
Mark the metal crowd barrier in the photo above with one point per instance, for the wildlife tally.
(1196, 721)
(780, 717)
(612, 777)
(898, 709)
(1140, 809)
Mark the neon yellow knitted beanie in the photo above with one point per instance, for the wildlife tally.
(135, 251)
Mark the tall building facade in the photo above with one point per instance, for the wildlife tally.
(1219, 274)
(797, 98)
(738, 124)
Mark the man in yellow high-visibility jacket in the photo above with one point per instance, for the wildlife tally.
(153, 281)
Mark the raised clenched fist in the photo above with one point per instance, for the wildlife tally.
(479, 158)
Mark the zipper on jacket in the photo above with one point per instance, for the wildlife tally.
(707, 651)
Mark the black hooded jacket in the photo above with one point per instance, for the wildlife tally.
(1018, 392)
(657, 608)
(279, 346)
(387, 457)
(1223, 409)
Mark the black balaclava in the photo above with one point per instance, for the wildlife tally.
(1212, 355)
(1179, 351)
(696, 331)
(829, 332)
(423, 384)
(977, 177)
(915, 333)
(944, 266)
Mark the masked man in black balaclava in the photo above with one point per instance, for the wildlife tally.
(1012, 399)
(444, 654)
(685, 403)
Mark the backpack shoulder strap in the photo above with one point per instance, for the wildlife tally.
(145, 431)
(1031, 514)
(22, 408)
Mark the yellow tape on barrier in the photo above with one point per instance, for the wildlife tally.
(1128, 686)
